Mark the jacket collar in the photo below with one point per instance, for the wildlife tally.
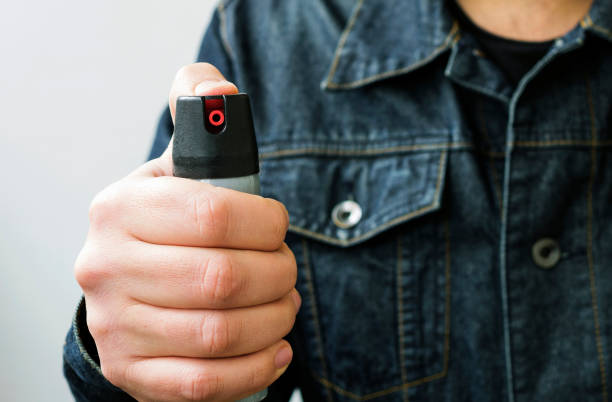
(386, 38)
(599, 19)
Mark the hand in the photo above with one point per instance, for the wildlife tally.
(189, 288)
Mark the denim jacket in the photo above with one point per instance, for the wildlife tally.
(453, 231)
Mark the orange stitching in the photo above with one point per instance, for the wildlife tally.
(400, 313)
(427, 147)
(343, 39)
(386, 74)
(342, 242)
(492, 154)
(434, 204)
(224, 39)
(603, 30)
(355, 152)
(479, 53)
(330, 385)
(548, 143)
(455, 29)
(600, 354)
(315, 315)
(586, 21)
(450, 39)
(447, 274)
(387, 391)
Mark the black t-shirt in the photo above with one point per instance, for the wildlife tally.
(514, 57)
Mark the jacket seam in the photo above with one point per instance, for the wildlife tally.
(430, 147)
(587, 22)
(342, 42)
(420, 211)
(592, 279)
(400, 316)
(378, 151)
(223, 29)
(549, 143)
(77, 336)
(404, 386)
(450, 40)
(602, 30)
(314, 312)
(492, 92)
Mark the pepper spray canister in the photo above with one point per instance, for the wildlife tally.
(214, 142)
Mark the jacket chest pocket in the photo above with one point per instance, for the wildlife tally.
(371, 243)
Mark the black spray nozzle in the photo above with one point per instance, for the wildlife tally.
(214, 137)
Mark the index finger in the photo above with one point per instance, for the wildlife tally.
(184, 212)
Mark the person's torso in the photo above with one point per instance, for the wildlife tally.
(452, 230)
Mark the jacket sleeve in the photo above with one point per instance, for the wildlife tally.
(81, 362)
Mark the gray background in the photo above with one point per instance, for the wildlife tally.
(81, 88)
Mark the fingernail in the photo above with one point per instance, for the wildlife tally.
(297, 299)
(283, 357)
(212, 87)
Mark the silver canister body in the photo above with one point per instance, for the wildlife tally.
(245, 184)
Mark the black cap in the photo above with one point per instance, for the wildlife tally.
(214, 137)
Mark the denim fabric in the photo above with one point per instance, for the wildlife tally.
(434, 295)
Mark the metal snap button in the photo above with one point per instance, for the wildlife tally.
(546, 253)
(346, 214)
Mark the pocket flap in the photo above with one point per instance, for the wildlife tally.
(345, 198)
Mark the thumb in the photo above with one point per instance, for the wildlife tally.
(199, 79)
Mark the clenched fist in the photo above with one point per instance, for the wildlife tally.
(189, 287)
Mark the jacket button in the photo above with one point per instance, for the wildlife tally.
(546, 253)
(346, 214)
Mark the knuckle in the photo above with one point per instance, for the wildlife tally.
(110, 373)
(218, 280)
(181, 75)
(84, 271)
(119, 374)
(183, 72)
(198, 68)
(257, 379)
(99, 328)
(291, 320)
(89, 269)
(127, 374)
(201, 386)
(292, 270)
(190, 71)
(279, 223)
(215, 332)
(105, 207)
(203, 66)
(211, 213)
(290, 315)
(252, 379)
